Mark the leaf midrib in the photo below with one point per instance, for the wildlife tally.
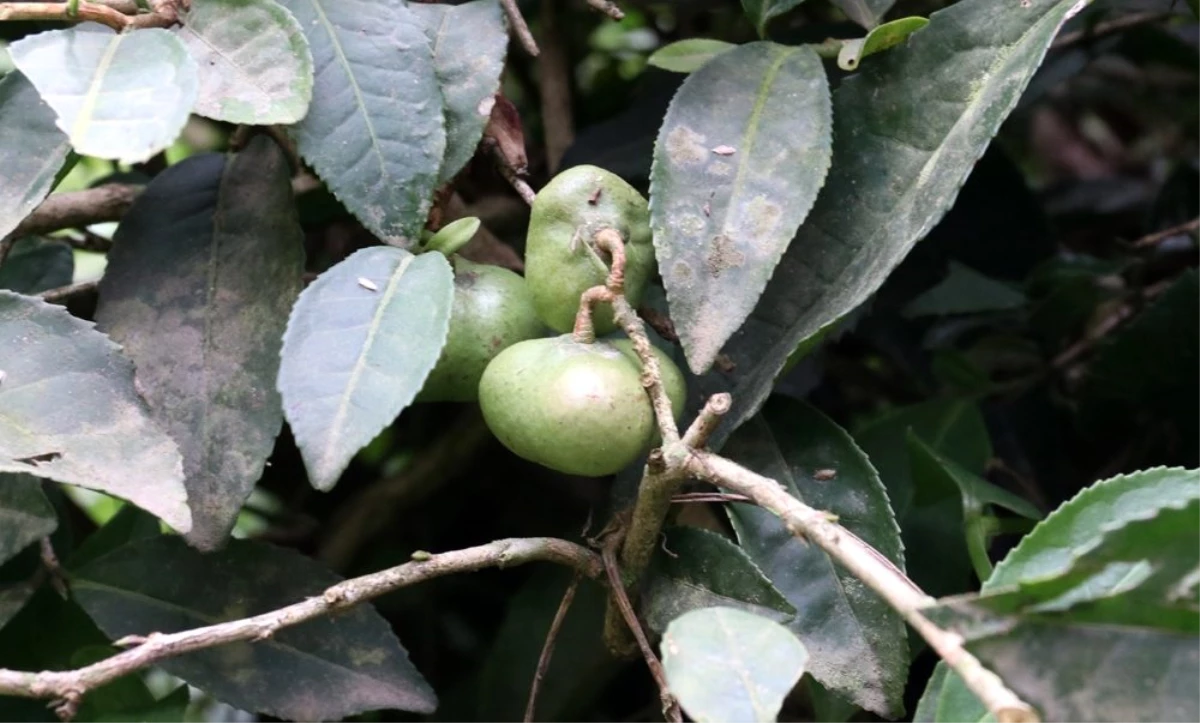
(88, 107)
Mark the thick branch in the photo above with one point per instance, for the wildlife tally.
(70, 686)
(109, 14)
(76, 209)
(872, 568)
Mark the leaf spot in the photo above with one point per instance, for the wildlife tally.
(723, 254)
(685, 146)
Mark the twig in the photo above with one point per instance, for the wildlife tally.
(659, 322)
(63, 293)
(870, 567)
(164, 15)
(53, 568)
(1166, 233)
(608, 8)
(717, 406)
(1107, 27)
(670, 707)
(700, 497)
(517, 24)
(548, 647)
(554, 84)
(77, 209)
(68, 687)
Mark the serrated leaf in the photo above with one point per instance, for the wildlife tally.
(865, 12)
(35, 265)
(1049, 549)
(469, 42)
(355, 355)
(858, 643)
(254, 64)
(204, 270)
(32, 150)
(1060, 642)
(374, 131)
(324, 669)
(739, 159)
(124, 96)
(879, 39)
(760, 12)
(704, 569)
(26, 516)
(69, 412)
(724, 664)
(965, 291)
(907, 130)
(688, 56)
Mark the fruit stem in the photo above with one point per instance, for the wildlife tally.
(608, 239)
(585, 330)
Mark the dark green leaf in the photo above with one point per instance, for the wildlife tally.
(857, 641)
(326, 668)
(1049, 549)
(203, 272)
(469, 41)
(32, 150)
(69, 412)
(760, 12)
(704, 569)
(25, 514)
(1060, 642)
(255, 66)
(879, 39)
(865, 12)
(907, 130)
(123, 96)
(688, 56)
(359, 344)
(128, 525)
(965, 291)
(725, 664)
(35, 265)
(374, 131)
(739, 160)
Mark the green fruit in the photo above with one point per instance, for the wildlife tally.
(492, 310)
(560, 259)
(573, 407)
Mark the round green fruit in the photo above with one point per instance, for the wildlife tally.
(561, 261)
(492, 310)
(573, 407)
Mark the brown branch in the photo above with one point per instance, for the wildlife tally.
(717, 406)
(554, 84)
(519, 28)
(670, 706)
(548, 647)
(77, 209)
(164, 16)
(608, 8)
(700, 497)
(1166, 233)
(63, 293)
(68, 687)
(1108, 27)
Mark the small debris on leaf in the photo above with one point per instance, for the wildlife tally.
(367, 284)
(724, 150)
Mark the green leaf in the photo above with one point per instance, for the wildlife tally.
(69, 412)
(128, 525)
(740, 157)
(469, 43)
(857, 641)
(35, 265)
(1068, 644)
(704, 569)
(124, 96)
(907, 130)
(359, 344)
(453, 236)
(724, 664)
(255, 66)
(688, 56)
(204, 269)
(965, 291)
(879, 39)
(1049, 549)
(866, 13)
(26, 516)
(760, 12)
(374, 131)
(324, 669)
(32, 150)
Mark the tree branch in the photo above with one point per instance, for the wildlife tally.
(69, 687)
(516, 22)
(106, 13)
(543, 664)
(77, 209)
